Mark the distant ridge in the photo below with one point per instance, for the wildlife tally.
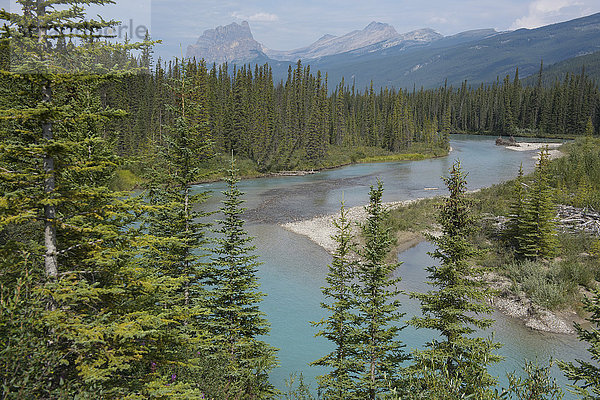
(477, 57)
(590, 63)
(421, 58)
(374, 35)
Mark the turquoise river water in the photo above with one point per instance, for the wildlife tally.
(294, 268)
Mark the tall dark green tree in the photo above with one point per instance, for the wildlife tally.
(236, 321)
(454, 307)
(175, 238)
(516, 219)
(538, 235)
(339, 326)
(377, 304)
(98, 322)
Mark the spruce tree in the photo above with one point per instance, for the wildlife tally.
(339, 325)
(176, 238)
(236, 321)
(516, 219)
(377, 304)
(589, 127)
(585, 374)
(538, 235)
(454, 307)
(99, 322)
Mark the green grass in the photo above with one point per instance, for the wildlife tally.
(415, 217)
(394, 157)
(337, 156)
(553, 285)
(216, 168)
(125, 179)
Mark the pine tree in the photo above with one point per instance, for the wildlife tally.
(175, 238)
(537, 384)
(538, 236)
(589, 127)
(584, 374)
(453, 308)
(236, 319)
(516, 219)
(377, 304)
(99, 321)
(339, 326)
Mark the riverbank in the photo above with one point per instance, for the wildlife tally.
(521, 289)
(321, 228)
(513, 304)
(553, 152)
(130, 177)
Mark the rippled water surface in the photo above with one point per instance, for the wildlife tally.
(294, 268)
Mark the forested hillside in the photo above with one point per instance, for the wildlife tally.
(508, 108)
(477, 59)
(589, 63)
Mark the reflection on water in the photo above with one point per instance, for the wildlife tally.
(294, 268)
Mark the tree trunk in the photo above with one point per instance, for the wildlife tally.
(50, 256)
(187, 232)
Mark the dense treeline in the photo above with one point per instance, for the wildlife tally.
(299, 121)
(566, 108)
(276, 126)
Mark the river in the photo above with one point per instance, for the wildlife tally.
(294, 268)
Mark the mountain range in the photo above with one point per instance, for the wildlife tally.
(235, 43)
(379, 54)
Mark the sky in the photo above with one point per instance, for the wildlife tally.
(290, 24)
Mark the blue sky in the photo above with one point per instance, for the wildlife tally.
(285, 24)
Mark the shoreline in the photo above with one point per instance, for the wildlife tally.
(392, 158)
(320, 229)
(553, 151)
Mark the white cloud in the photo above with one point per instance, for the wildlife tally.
(260, 17)
(544, 12)
(438, 20)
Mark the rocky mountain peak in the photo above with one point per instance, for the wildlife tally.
(422, 35)
(326, 37)
(378, 26)
(235, 43)
(230, 43)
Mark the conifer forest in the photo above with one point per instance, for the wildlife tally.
(116, 282)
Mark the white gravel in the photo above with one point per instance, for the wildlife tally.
(320, 229)
(520, 307)
(529, 146)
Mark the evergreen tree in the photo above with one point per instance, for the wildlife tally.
(589, 127)
(339, 326)
(537, 384)
(377, 304)
(175, 241)
(236, 320)
(453, 309)
(538, 236)
(516, 219)
(95, 316)
(585, 374)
